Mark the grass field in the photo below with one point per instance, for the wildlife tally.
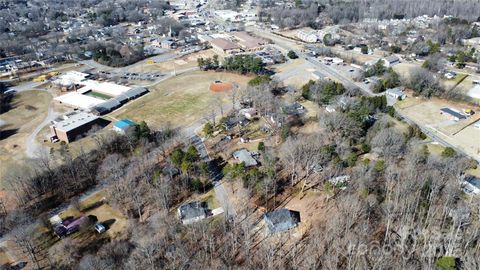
(97, 95)
(28, 110)
(187, 61)
(426, 113)
(181, 100)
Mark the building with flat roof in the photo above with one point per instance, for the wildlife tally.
(72, 125)
(248, 42)
(224, 46)
(453, 113)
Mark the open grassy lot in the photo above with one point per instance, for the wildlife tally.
(28, 110)
(403, 69)
(187, 61)
(181, 100)
(96, 205)
(426, 113)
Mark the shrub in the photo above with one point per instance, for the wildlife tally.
(292, 55)
(448, 152)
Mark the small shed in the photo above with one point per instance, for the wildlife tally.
(281, 220)
(123, 126)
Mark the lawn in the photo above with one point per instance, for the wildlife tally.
(97, 95)
(96, 205)
(29, 108)
(181, 100)
(187, 61)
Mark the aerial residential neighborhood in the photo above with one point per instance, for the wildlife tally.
(251, 134)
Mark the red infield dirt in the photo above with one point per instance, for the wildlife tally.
(221, 87)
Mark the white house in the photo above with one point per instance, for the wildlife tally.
(309, 37)
(396, 93)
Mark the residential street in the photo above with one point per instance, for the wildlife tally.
(215, 176)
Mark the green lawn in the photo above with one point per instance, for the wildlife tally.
(97, 95)
(180, 100)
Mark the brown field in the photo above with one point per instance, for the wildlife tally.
(28, 110)
(460, 134)
(187, 61)
(181, 100)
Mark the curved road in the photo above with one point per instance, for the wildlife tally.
(32, 148)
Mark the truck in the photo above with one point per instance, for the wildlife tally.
(69, 225)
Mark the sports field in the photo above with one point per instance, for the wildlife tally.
(97, 95)
(182, 100)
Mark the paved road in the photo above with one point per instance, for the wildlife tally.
(215, 175)
(289, 44)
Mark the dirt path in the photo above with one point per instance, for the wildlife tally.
(33, 149)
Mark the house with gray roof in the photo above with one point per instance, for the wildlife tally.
(471, 185)
(245, 156)
(281, 220)
(396, 93)
(193, 212)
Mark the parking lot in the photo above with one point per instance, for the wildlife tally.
(130, 76)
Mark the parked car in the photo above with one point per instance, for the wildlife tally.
(100, 228)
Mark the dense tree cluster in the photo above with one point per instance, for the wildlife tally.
(322, 91)
(40, 29)
(116, 55)
(244, 64)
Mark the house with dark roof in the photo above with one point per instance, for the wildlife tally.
(193, 212)
(281, 220)
(471, 185)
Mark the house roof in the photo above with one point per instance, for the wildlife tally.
(245, 156)
(395, 91)
(193, 210)
(281, 220)
(124, 124)
(453, 113)
(224, 44)
(392, 59)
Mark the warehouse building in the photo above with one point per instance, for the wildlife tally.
(76, 124)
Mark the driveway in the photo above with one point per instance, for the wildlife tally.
(215, 175)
